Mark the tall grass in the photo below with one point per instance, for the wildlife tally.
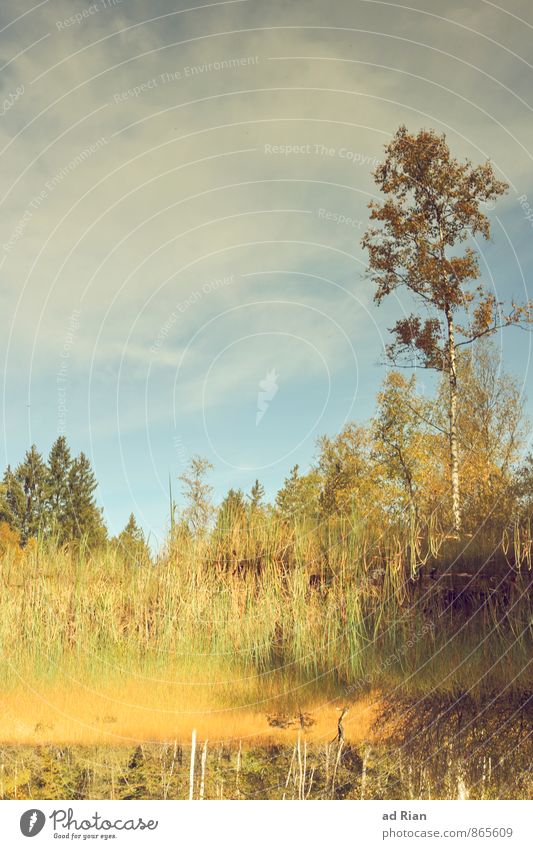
(330, 604)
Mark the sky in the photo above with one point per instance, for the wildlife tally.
(184, 191)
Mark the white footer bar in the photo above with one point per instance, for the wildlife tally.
(276, 825)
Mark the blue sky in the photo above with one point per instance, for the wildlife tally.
(184, 195)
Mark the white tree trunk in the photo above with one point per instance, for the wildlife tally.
(454, 453)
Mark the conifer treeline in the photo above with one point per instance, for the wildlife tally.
(53, 499)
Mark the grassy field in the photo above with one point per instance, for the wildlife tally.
(252, 641)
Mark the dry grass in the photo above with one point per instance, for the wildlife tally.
(95, 648)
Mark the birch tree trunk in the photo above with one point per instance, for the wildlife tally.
(454, 454)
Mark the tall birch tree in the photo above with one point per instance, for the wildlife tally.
(433, 204)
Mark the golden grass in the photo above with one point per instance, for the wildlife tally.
(79, 715)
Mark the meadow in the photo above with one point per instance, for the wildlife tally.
(255, 640)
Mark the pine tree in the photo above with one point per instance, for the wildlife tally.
(134, 782)
(257, 493)
(84, 518)
(132, 544)
(57, 490)
(12, 501)
(298, 496)
(32, 476)
(231, 511)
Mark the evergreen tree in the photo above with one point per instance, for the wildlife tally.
(257, 493)
(84, 518)
(232, 511)
(298, 496)
(32, 476)
(132, 544)
(12, 501)
(134, 782)
(57, 490)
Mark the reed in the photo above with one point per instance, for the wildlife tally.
(262, 610)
